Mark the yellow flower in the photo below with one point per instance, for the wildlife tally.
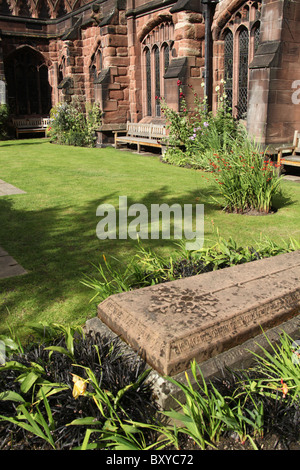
(79, 386)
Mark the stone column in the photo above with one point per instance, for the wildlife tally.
(274, 76)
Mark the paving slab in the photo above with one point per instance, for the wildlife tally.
(294, 178)
(7, 189)
(9, 267)
(202, 316)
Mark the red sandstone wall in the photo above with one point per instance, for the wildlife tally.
(274, 113)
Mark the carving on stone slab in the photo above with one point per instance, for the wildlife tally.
(182, 301)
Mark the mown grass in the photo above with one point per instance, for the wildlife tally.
(51, 230)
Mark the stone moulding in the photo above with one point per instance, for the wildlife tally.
(201, 317)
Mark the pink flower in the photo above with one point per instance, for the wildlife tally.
(179, 82)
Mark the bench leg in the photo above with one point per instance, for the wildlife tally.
(138, 148)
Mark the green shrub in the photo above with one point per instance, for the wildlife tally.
(4, 117)
(147, 268)
(245, 177)
(195, 132)
(71, 125)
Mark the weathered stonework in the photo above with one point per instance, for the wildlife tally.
(102, 49)
(203, 316)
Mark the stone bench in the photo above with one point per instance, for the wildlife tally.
(203, 316)
(31, 125)
(152, 135)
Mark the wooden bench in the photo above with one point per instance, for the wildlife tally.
(31, 125)
(152, 135)
(290, 154)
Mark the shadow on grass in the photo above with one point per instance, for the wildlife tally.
(57, 247)
(283, 199)
(10, 142)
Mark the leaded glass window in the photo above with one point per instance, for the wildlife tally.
(228, 66)
(243, 73)
(166, 57)
(241, 40)
(157, 81)
(256, 38)
(148, 81)
(156, 58)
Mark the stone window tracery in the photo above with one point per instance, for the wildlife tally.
(241, 39)
(96, 64)
(95, 68)
(62, 70)
(157, 49)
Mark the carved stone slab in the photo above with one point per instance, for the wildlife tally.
(199, 317)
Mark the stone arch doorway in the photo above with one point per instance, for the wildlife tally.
(29, 92)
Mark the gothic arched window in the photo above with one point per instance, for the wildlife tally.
(26, 74)
(228, 66)
(256, 37)
(148, 81)
(243, 72)
(166, 50)
(157, 80)
(156, 58)
(241, 39)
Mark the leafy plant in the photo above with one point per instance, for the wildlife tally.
(245, 177)
(148, 268)
(4, 120)
(45, 372)
(199, 411)
(279, 373)
(195, 132)
(34, 422)
(73, 124)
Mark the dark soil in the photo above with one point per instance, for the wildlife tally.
(114, 372)
(270, 443)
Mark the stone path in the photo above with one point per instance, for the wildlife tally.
(8, 265)
(7, 189)
(294, 178)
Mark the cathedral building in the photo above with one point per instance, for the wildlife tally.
(125, 54)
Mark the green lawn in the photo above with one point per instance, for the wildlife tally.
(51, 230)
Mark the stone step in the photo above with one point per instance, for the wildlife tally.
(203, 316)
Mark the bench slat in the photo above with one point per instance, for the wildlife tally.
(26, 125)
(294, 150)
(142, 134)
